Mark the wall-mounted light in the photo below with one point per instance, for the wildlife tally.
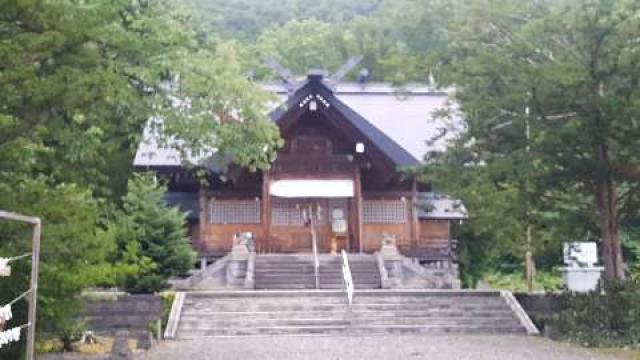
(359, 147)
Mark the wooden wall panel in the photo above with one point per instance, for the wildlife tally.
(219, 237)
(290, 239)
(434, 229)
(434, 234)
(372, 235)
(298, 239)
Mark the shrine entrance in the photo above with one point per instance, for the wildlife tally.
(302, 209)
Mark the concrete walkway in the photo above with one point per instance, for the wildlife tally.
(369, 348)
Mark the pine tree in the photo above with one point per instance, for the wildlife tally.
(153, 235)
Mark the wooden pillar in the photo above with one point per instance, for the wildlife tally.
(203, 206)
(266, 210)
(450, 244)
(413, 212)
(358, 208)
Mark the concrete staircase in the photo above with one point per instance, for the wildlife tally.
(364, 270)
(325, 312)
(282, 272)
(276, 271)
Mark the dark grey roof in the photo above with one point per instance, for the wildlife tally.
(186, 202)
(406, 116)
(388, 146)
(436, 206)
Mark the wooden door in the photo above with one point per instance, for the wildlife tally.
(291, 233)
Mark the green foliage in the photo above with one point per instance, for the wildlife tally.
(607, 318)
(247, 19)
(151, 237)
(167, 304)
(304, 45)
(71, 331)
(74, 249)
(547, 281)
(80, 80)
(561, 162)
(631, 245)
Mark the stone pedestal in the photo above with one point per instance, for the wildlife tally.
(581, 279)
(239, 262)
(392, 261)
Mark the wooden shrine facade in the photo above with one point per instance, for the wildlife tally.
(336, 166)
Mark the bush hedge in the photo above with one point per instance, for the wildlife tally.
(609, 316)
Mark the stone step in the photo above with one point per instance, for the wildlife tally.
(358, 300)
(334, 307)
(211, 324)
(351, 330)
(284, 275)
(231, 306)
(286, 286)
(191, 315)
(297, 271)
(325, 312)
(306, 268)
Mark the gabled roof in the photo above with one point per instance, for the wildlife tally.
(407, 114)
(401, 119)
(314, 84)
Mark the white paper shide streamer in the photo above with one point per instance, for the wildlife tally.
(5, 269)
(5, 313)
(9, 336)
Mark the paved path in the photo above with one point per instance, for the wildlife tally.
(370, 348)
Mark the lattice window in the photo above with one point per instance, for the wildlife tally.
(384, 212)
(234, 211)
(288, 212)
(285, 213)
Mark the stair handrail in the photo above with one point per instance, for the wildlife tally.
(347, 279)
(316, 260)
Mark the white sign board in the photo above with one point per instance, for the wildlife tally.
(580, 254)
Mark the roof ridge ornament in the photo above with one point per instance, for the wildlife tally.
(315, 75)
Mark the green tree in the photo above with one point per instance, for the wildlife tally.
(74, 252)
(301, 45)
(247, 19)
(78, 82)
(566, 70)
(304, 45)
(151, 236)
(80, 79)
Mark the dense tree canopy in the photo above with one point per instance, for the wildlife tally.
(550, 95)
(247, 19)
(78, 82)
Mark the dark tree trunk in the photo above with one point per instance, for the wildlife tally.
(606, 199)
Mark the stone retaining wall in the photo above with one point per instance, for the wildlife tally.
(136, 314)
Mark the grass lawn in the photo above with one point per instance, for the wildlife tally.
(624, 354)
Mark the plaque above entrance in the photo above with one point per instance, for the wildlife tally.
(316, 188)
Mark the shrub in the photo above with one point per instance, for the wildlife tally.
(544, 281)
(609, 316)
(151, 236)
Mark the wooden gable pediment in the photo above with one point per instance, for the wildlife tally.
(315, 101)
